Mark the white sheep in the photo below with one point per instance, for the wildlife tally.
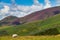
(14, 35)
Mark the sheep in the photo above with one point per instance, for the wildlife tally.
(14, 35)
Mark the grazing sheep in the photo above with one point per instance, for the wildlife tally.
(14, 35)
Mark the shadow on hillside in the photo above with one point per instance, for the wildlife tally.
(49, 32)
(3, 33)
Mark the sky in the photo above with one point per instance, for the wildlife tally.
(21, 8)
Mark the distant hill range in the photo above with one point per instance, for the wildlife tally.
(39, 15)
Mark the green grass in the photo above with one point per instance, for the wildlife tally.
(57, 37)
(34, 27)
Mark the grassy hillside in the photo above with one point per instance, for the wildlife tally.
(34, 28)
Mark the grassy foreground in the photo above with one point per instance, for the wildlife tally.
(57, 37)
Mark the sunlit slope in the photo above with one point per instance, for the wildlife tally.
(33, 28)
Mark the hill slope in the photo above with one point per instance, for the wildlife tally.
(42, 14)
(33, 27)
(9, 20)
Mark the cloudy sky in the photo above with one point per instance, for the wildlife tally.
(21, 8)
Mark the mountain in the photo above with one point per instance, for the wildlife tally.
(49, 26)
(9, 20)
(41, 15)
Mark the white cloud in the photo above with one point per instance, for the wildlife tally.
(36, 8)
(25, 10)
(47, 4)
(58, 2)
(20, 10)
(5, 9)
(36, 2)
